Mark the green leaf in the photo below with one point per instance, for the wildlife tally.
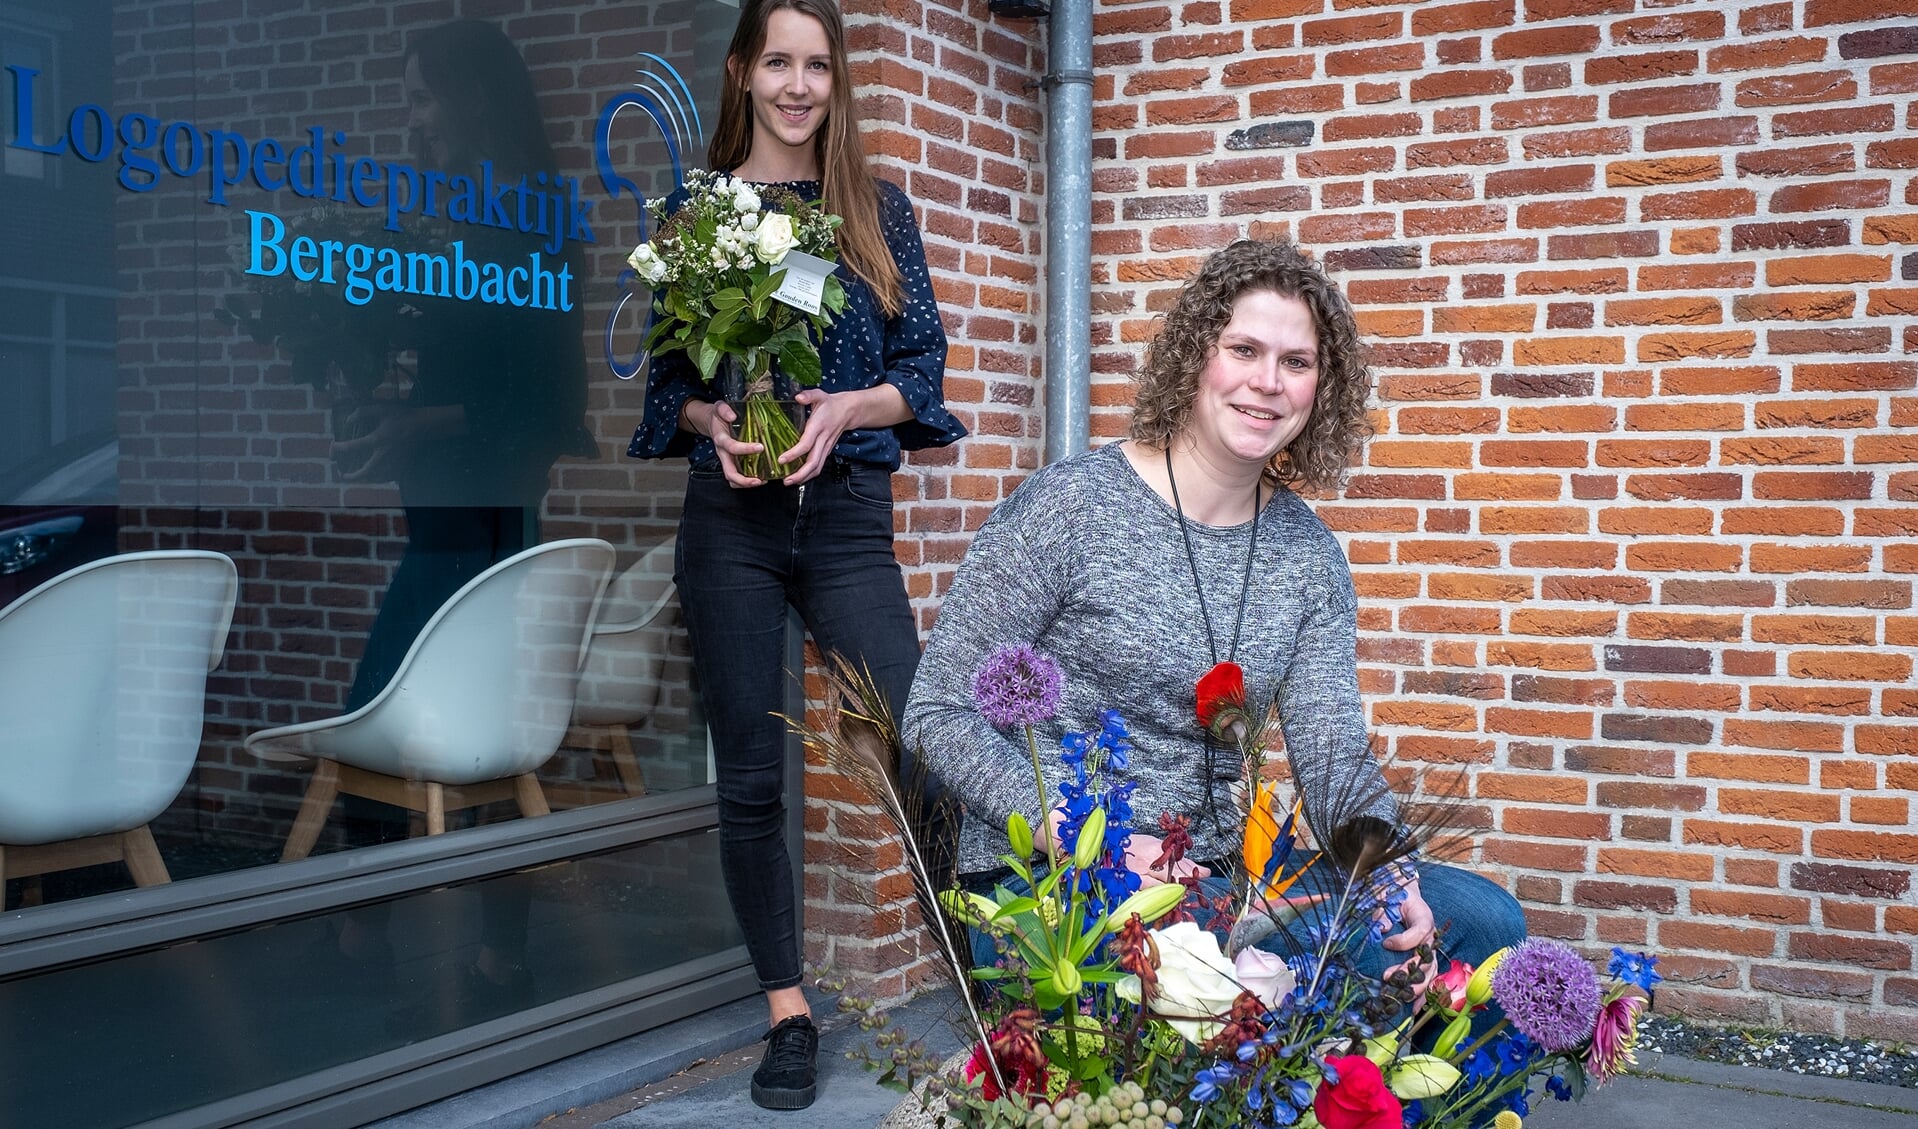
(723, 321)
(765, 287)
(1016, 906)
(707, 359)
(730, 298)
(800, 361)
(1086, 940)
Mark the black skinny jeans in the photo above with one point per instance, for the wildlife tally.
(743, 555)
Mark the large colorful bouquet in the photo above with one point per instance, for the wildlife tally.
(718, 272)
(1114, 1002)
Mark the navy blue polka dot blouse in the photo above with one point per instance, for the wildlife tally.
(861, 349)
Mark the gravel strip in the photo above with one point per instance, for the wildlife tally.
(1858, 1059)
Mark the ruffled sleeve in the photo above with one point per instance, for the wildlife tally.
(915, 341)
(671, 380)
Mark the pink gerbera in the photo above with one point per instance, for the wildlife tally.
(1613, 1037)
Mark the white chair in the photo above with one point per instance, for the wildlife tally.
(620, 684)
(102, 699)
(480, 700)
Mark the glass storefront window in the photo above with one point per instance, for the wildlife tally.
(266, 1006)
(335, 291)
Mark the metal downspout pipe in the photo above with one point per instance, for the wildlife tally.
(1068, 231)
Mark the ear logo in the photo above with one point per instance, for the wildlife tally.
(663, 97)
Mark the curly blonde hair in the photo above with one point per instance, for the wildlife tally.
(1168, 381)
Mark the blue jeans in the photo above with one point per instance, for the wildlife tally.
(743, 556)
(1475, 918)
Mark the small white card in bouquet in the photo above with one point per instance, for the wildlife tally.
(805, 281)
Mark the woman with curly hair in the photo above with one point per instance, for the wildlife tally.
(1144, 566)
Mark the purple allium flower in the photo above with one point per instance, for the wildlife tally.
(1017, 686)
(1549, 992)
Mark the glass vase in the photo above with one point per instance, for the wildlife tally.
(765, 411)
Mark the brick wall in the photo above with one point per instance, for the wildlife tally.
(1634, 540)
(952, 110)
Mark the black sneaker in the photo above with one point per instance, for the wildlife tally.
(785, 1078)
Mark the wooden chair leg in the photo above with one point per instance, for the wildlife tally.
(320, 793)
(435, 808)
(626, 762)
(532, 801)
(143, 857)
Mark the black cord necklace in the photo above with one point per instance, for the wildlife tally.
(1228, 671)
(1192, 559)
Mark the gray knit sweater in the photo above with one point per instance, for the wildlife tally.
(1086, 563)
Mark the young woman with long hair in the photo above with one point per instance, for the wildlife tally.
(820, 539)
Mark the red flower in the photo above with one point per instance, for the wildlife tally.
(1221, 690)
(1015, 1044)
(1451, 984)
(1360, 1100)
(1025, 1080)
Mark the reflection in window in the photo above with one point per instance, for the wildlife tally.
(360, 474)
(274, 1004)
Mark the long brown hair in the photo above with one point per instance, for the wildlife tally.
(1168, 382)
(847, 184)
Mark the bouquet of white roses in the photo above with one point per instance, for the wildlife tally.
(728, 292)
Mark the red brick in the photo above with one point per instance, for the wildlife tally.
(1539, 42)
(1648, 66)
(1758, 767)
(1719, 381)
(1529, 113)
(1744, 834)
(1770, 54)
(1831, 195)
(1860, 376)
(1796, 89)
(1578, 143)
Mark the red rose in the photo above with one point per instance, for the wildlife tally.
(1222, 688)
(1360, 1100)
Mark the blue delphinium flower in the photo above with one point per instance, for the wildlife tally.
(1414, 1112)
(1515, 1052)
(1211, 1080)
(1637, 969)
(1090, 756)
(1479, 1067)
(1556, 1086)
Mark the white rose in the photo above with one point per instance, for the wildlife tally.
(647, 264)
(1196, 983)
(744, 198)
(775, 238)
(1265, 975)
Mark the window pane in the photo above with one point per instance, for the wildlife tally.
(269, 1005)
(241, 377)
(25, 375)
